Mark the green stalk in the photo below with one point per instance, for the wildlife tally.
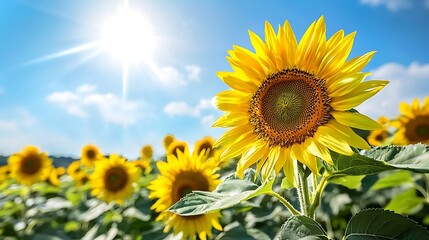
(322, 184)
(303, 191)
(285, 202)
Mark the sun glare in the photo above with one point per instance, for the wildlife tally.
(128, 36)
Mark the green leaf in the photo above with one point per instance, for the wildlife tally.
(393, 180)
(301, 227)
(94, 212)
(380, 159)
(286, 184)
(406, 202)
(71, 226)
(237, 231)
(382, 224)
(351, 182)
(230, 192)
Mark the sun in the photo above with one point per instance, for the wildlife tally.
(128, 36)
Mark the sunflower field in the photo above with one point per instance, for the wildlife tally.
(296, 161)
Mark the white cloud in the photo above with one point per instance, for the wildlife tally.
(172, 77)
(208, 120)
(184, 109)
(406, 83)
(85, 101)
(392, 5)
(193, 72)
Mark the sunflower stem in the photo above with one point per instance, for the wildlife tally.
(318, 193)
(285, 202)
(303, 190)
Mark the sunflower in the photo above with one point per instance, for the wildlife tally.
(146, 152)
(168, 139)
(90, 154)
(177, 146)
(292, 101)
(74, 169)
(143, 165)
(55, 174)
(4, 172)
(81, 179)
(378, 136)
(30, 166)
(113, 179)
(181, 175)
(413, 124)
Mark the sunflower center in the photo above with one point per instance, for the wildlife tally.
(31, 164)
(417, 129)
(188, 181)
(115, 179)
(91, 154)
(289, 106)
(379, 137)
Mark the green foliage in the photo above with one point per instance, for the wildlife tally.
(393, 180)
(381, 224)
(301, 227)
(230, 192)
(406, 202)
(351, 182)
(380, 159)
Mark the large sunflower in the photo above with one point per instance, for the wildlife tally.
(292, 101)
(90, 154)
(413, 124)
(30, 166)
(112, 179)
(181, 175)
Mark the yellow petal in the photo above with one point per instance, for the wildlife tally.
(335, 39)
(406, 109)
(328, 137)
(284, 155)
(238, 147)
(364, 91)
(251, 156)
(356, 120)
(358, 63)
(273, 157)
(346, 84)
(249, 58)
(319, 150)
(238, 82)
(335, 57)
(231, 119)
(311, 46)
(233, 134)
(346, 133)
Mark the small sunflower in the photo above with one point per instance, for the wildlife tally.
(179, 176)
(378, 136)
(146, 152)
(168, 139)
(74, 169)
(143, 165)
(90, 154)
(81, 179)
(30, 166)
(112, 179)
(177, 146)
(4, 173)
(55, 174)
(290, 101)
(413, 124)
(206, 144)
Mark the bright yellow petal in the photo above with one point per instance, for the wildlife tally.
(238, 82)
(311, 45)
(356, 120)
(346, 84)
(364, 91)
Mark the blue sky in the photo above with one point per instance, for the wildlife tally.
(62, 103)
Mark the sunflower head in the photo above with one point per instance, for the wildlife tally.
(180, 176)
(290, 100)
(147, 152)
(206, 144)
(74, 169)
(30, 166)
(413, 124)
(177, 146)
(168, 139)
(90, 154)
(113, 179)
(143, 165)
(4, 173)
